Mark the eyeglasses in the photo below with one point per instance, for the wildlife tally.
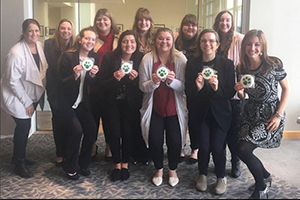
(205, 41)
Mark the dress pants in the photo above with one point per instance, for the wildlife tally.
(211, 139)
(158, 126)
(121, 130)
(79, 122)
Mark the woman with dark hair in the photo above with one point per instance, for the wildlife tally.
(263, 118)
(107, 40)
(210, 85)
(188, 35)
(119, 79)
(230, 47)
(186, 42)
(164, 109)
(77, 71)
(22, 87)
(61, 41)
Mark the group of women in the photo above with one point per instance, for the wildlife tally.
(148, 85)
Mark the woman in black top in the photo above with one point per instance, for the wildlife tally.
(209, 105)
(124, 97)
(186, 42)
(61, 41)
(75, 77)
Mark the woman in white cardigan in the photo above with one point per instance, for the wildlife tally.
(164, 104)
(22, 86)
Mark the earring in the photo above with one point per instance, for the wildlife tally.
(261, 54)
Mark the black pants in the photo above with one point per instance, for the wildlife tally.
(233, 132)
(140, 151)
(79, 122)
(193, 133)
(100, 111)
(212, 139)
(20, 138)
(158, 125)
(253, 163)
(121, 130)
(59, 131)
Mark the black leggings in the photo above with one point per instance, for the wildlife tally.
(255, 166)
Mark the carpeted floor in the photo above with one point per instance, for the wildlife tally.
(50, 182)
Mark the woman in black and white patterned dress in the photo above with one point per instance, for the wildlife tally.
(264, 117)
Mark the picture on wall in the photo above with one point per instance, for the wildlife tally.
(41, 31)
(157, 26)
(51, 31)
(120, 27)
(46, 31)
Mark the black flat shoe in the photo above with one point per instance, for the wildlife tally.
(124, 174)
(115, 175)
(23, 171)
(192, 160)
(181, 159)
(107, 159)
(84, 172)
(73, 177)
(27, 162)
(58, 164)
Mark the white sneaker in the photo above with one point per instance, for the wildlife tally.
(221, 185)
(201, 184)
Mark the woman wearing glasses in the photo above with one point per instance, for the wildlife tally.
(210, 83)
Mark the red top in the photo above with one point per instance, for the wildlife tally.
(163, 97)
(106, 47)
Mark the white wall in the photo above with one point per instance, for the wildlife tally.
(13, 13)
(280, 22)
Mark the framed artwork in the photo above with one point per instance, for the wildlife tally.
(120, 27)
(51, 31)
(157, 26)
(41, 31)
(46, 31)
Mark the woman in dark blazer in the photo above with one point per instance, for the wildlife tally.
(209, 105)
(74, 82)
(61, 41)
(124, 97)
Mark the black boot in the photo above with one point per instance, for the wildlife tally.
(21, 169)
(235, 169)
(27, 161)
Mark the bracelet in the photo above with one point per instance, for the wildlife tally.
(281, 117)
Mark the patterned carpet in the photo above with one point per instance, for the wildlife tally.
(50, 182)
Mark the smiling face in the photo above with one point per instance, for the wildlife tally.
(31, 34)
(128, 45)
(164, 42)
(253, 48)
(225, 23)
(103, 24)
(189, 30)
(143, 24)
(65, 31)
(88, 41)
(208, 44)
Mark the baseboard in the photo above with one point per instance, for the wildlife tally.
(291, 134)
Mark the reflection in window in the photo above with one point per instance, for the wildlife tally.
(210, 8)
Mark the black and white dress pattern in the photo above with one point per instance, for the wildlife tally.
(261, 106)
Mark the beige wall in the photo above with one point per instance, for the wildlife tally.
(165, 13)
